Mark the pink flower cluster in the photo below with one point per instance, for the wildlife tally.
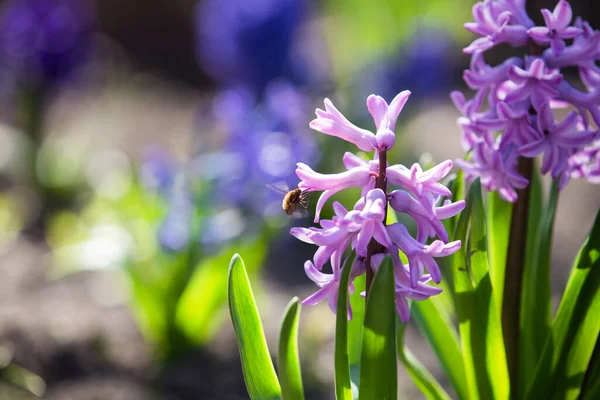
(419, 196)
(522, 94)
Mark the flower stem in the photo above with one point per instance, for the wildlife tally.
(374, 247)
(515, 265)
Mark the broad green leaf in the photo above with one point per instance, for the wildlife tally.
(591, 381)
(426, 383)
(536, 300)
(259, 373)
(498, 214)
(575, 329)
(355, 332)
(378, 367)
(439, 330)
(343, 384)
(478, 315)
(288, 361)
(201, 308)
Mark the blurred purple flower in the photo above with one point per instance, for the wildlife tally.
(250, 42)
(265, 140)
(175, 231)
(364, 227)
(44, 41)
(521, 95)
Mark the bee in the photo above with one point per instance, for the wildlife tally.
(291, 200)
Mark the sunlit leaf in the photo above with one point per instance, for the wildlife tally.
(201, 308)
(439, 330)
(536, 305)
(343, 384)
(378, 369)
(288, 361)
(498, 214)
(590, 388)
(478, 315)
(568, 349)
(426, 383)
(259, 373)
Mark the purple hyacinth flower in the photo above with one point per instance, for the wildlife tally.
(418, 181)
(385, 117)
(330, 184)
(403, 288)
(536, 82)
(329, 284)
(496, 168)
(332, 122)
(556, 140)
(429, 218)
(482, 76)
(514, 121)
(557, 28)
(420, 256)
(495, 23)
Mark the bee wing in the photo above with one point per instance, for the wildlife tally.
(280, 187)
(299, 213)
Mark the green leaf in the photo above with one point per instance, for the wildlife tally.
(259, 373)
(591, 381)
(288, 362)
(478, 314)
(378, 369)
(343, 385)
(355, 332)
(575, 329)
(536, 300)
(498, 216)
(426, 383)
(201, 308)
(437, 327)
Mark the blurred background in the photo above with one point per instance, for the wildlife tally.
(136, 143)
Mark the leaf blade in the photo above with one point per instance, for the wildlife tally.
(576, 327)
(259, 373)
(478, 314)
(288, 360)
(437, 327)
(378, 369)
(422, 378)
(536, 301)
(343, 384)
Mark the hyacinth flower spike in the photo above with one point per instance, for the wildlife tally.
(364, 229)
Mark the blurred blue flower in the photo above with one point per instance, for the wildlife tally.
(423, 66)
(250, 42)
(43, 41)
(161, 174)
(175, 231)
(158, 171)
(266, 140)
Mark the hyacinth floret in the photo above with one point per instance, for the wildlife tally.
(364, 229)
(516, 110)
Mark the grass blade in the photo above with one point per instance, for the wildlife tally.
(437, 327)
(288, 361)
(378, 369)
(343, 385)
(259, 373)
(498, 216)
(478, 314)
(426, 383)
(536, 300)
(575, 329)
